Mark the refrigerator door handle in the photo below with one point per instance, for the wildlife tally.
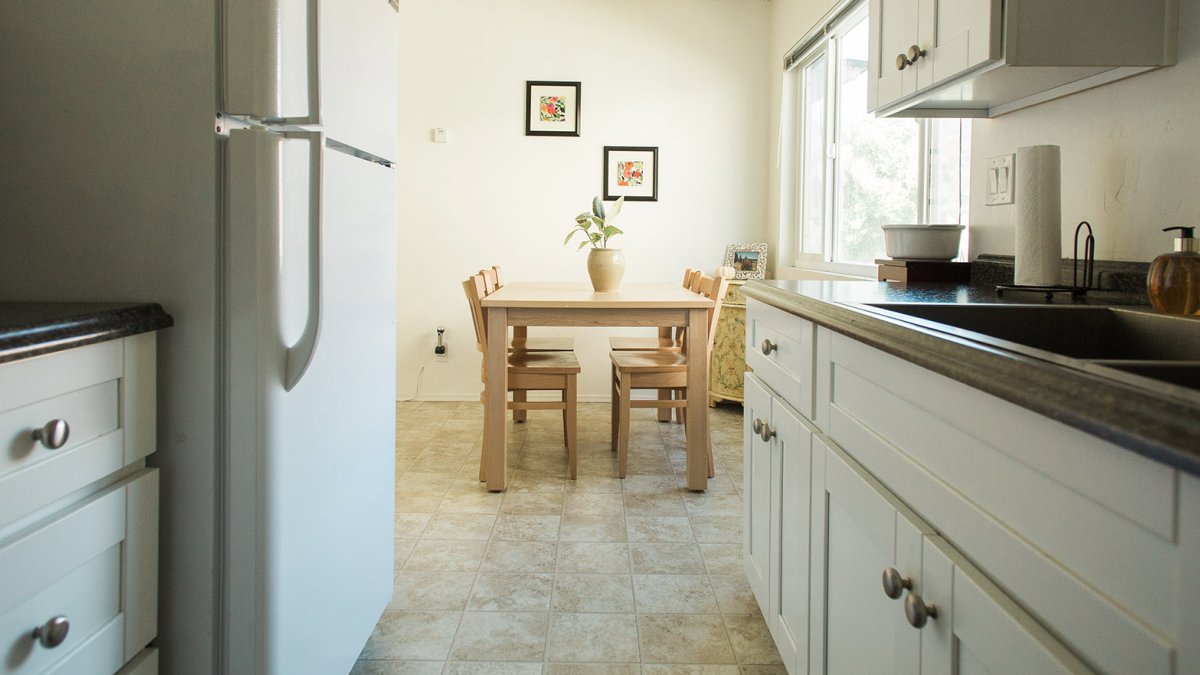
(313, 56)
(300, 355)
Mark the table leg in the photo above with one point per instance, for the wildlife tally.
(495, 445)
(697, 400)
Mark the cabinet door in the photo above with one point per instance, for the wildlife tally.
(858, 531)
(977, 627)
(957, 36)
(756, 492)
(894, 27)
(791, 473)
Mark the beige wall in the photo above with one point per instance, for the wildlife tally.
(1129, 157)
(688, 76)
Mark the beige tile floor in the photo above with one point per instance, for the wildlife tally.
(595, 575)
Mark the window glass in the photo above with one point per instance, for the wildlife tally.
(813, 106)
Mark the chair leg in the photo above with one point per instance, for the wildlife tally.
(519, 397)
(564, 411)
(680, 413)
(572, 395)
(623, 427)
(483, 450)
(664, 414)
(616, 398)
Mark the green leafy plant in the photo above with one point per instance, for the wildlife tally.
(596, 225)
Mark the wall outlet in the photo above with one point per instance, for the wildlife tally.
(441, 350)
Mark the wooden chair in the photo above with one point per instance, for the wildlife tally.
(521, 342)
(669, 339)
(661, 370)
(529, 371)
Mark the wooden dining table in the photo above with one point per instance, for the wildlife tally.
(573, 304)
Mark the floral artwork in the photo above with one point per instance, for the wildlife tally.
(629, 174)
(553, 109)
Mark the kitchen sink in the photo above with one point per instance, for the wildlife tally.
(1138, 342)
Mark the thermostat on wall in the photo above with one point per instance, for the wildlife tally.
(439, 135)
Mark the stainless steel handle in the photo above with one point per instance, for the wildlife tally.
(894, 583)
(767, 347)
(52, 633)
(300, 355)
(313, 55)
(917, 612)
(53, 434)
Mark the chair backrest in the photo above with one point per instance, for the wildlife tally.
(491, 279)
(475, 289)
(713, 288)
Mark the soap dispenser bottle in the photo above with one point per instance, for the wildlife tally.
(1173, 283)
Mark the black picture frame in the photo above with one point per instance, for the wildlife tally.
(569, 92)
(617, 156)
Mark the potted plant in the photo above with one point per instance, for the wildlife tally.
(606, 265)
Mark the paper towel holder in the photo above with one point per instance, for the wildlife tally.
(1076, 289)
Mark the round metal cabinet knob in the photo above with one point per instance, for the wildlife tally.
(902, 62)
(758, 426)
(768, 347)
(914, 53)
(767, 433)
(894, 583)
(53, 434)
(917, 612)
(53, 632)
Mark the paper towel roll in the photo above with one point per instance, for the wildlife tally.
(1039, 215)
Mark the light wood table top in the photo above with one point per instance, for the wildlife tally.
(581, 296)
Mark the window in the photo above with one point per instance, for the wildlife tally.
(855, 172)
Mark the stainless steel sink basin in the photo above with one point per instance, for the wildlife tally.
(1134, 342)
(1078, 331)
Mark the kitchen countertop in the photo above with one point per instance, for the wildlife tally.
(1159, 422)
(35, 328)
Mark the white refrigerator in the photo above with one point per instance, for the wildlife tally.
(230, 159)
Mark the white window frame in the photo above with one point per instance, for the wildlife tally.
(793, 242)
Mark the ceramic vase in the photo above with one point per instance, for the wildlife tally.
(606, 266)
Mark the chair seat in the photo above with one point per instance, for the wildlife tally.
(649, 362)
(644, 344)
(548, 363)
(542, 344)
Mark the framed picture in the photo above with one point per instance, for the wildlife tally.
(551, 108)
(631, 172)
(749, 261)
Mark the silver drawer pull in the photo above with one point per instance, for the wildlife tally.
(53, 435)
(768, 347)
(53, 633)
(917, 612)
(762, 430)
(758, 426)
(894, 583)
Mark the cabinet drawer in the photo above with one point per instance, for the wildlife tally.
(787, 364)
(86, 564)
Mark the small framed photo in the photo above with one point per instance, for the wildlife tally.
(631, 172)
(551, 108)
(749, 261)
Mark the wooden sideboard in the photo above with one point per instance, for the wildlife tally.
(728, 365)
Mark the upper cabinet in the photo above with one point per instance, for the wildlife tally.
(983, 58)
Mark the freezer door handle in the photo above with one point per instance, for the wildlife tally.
(300, 355)
(313, 56)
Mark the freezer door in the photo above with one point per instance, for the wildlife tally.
(311, 470)
(309, 62)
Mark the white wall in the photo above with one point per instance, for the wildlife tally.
(688, 76)
(1129, 154)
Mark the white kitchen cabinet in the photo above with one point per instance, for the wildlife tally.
(982, 58)
(778, 452)
(79, 509)
(859, 530)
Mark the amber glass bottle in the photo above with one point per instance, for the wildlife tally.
(1173, 283)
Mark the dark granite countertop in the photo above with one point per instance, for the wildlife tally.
(1157, 420)
(35, 328)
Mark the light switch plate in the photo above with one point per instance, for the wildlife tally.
(439, 135)
(1000, 179)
